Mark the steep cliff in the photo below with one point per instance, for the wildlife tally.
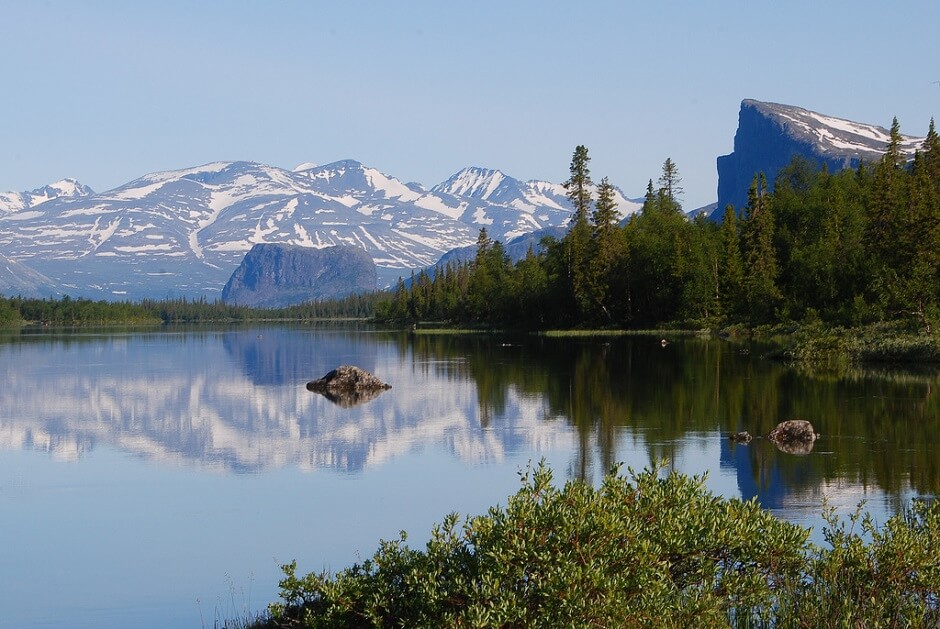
(769, 135)
(278, 275)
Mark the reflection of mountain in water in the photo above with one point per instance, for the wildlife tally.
(287, 356)
(195, 398)
(237, 400)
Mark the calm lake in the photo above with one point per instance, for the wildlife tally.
(159, 479)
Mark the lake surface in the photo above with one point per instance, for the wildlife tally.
(160, 479)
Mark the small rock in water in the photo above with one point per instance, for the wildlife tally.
(347, 378)
(741, 437)
(348, 386)
(794, 436)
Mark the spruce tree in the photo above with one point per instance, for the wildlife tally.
(669, 185)
(931, 149)
(579, 183)
(731, 279)
(577, 241)
(605, 249)
(760, 279)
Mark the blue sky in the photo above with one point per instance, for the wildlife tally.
(107, 91)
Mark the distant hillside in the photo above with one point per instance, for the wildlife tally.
(184, 232)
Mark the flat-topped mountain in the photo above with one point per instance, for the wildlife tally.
(769, 135)
(277, 275)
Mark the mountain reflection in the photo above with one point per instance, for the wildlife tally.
(236, 400)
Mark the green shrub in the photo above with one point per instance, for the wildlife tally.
(893, 580)
(638, 551)
(647, 550)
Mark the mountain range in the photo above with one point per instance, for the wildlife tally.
(183, 232)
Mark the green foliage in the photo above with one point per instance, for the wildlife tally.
(836, 347)
(845, 249)
(893, 580)
(647, 549)
(640, 550)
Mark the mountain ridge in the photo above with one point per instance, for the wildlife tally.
(183, 232)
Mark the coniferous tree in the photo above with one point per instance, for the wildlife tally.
(579, 183)
(731, 278)
(760, 273)
(606, 251)
(669, 185)
(577, 241)
(887, 203)
(931, 150)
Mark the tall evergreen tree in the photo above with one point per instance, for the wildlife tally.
(931, 150)
(887, 209)
(579, 183)
(606, 249)
(760, 274)
(669, 185)
(731, 278)
(577, 241)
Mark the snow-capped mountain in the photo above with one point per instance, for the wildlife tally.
(769, 135)
(183, 232)
(65, 188)
(518, 207)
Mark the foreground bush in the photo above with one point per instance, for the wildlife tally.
(644, 550)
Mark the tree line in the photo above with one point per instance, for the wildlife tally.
(848, 248)
(67, 311)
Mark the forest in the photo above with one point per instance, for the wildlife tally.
(852, 248)
(67, 311)
(849, 248)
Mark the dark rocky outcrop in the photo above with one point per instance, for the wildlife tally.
(794, 436)
(769, 135)
(348, 386)
(279, 275)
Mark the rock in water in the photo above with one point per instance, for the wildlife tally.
(277, 275)
(794, 436)
(348, 386)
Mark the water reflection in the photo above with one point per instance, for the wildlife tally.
(236, 400)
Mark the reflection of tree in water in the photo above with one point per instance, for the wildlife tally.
(878, 426)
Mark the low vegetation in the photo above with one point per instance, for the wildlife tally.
(65, 311)
(836, 346)
(643, 549)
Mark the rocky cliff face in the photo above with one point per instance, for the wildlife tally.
(769, 135)
(278, 275)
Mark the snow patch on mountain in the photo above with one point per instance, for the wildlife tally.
(11, 202)
(837, 135)
(183, 232)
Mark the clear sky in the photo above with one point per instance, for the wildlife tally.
(107, 91)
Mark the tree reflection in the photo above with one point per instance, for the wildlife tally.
(879, 426)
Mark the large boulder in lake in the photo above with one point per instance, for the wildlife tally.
(794, 436)
(276, 275)
(348, 386)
